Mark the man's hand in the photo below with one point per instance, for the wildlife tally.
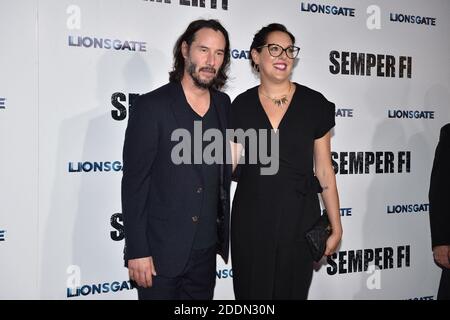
(141, 270)
(441, 255)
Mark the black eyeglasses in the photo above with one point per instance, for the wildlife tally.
(276, 50)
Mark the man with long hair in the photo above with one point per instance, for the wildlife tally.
(176, 213)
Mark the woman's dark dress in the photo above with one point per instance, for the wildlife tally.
(271, 213)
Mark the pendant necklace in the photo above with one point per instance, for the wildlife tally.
(281, 101)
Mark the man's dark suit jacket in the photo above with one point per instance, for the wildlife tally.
(439, 194)
(161, 200)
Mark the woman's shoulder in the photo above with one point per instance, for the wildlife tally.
(315, 103)
(246, 96)
(242, 104)
(309, 93)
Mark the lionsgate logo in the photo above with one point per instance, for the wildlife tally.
(224, 273)
(2, 103)
(75, 289)
(106, 43)
(344, 113)
(408, 208)
(410, 114)
(88, 166)
(240, 54)
(99, 288)
(346, 212)
(412, 19)
(327, 9)
(195, 3)
(422, 298)
(85, 41)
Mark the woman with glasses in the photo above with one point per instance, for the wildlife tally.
(272, 212)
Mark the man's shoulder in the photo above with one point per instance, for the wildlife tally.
(156, 99)
(221, 96)
(160, 93)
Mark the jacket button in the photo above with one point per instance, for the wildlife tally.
(195, 219)
(199, 190)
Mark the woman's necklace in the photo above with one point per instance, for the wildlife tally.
(281, 101)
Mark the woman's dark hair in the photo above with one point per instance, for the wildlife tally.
(189, 36)
(260, 37)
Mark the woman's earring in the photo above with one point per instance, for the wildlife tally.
(256, 67)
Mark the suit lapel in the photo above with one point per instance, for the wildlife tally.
(220, 110)
(225, 169)
(178, 105)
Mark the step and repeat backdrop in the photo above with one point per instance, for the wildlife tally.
(71, 69)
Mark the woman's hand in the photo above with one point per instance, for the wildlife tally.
(333, 242)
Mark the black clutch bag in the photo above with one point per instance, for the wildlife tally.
(317, 237)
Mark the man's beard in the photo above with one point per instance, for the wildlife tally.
(197, 81)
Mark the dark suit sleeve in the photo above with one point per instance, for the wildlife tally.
(439, 191)
(139, 151)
